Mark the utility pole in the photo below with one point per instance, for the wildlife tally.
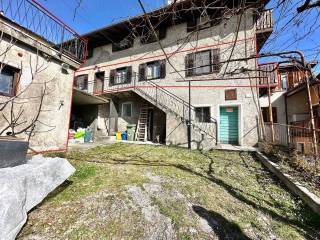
(189, 120)
(313, 129)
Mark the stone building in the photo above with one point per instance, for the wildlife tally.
(145, 73)
(38, 57)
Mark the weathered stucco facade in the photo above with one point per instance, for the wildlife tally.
(39, 67)
(206, 90)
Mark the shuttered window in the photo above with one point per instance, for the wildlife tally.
(120, 76)
(203, 62)
(152, 70)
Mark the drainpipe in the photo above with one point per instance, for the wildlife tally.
(189, 120)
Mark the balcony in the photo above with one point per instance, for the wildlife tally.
(268, 75)
(31, 16)
(264, 26)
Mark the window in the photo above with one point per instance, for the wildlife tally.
(202, 114)
(120, 75)
(284, 81)
(203, 62)
(127, 109)
(266, 117)
(195, 23)
(122, 45)
(152, 70)
(231, 94)
(8, 81)
(81, 82)
(148, 35)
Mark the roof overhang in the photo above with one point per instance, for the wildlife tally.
(83, 98)
(301, 87)
(164, 16)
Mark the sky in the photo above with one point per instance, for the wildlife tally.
(291, 31)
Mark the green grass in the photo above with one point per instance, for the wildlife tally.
(236, 196)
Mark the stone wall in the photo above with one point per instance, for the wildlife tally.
(51, 130)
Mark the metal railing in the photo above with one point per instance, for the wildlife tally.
(299, 138)
(264, 20)
(163, 99)
(32, 16)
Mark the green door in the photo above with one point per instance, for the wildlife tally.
(229, 125)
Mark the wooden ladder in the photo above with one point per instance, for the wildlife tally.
(141, 133)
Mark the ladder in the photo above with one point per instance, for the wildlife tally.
(141, 133)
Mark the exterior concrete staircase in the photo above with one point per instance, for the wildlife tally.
(169, 102)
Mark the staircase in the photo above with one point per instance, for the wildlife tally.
(141, 132)
(169, 102)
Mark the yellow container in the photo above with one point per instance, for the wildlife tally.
(118, 135)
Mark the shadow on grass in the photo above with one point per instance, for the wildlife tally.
(306, 223)
(223, 228)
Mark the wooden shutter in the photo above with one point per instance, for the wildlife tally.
(163, 64)
(189, 64)
(129, 74)
(191, 24)
(112, 77)
(142, 72)
(215, 56)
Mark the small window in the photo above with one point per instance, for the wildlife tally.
(266, 117)
(231, 94)
(202, 114)
(81, 82)
(122, 45)
(120, 75)
(203, 62)
(284, 81)
(152, 70)
(8, 81)
(195, 23)
(126, 110)
(149, 37)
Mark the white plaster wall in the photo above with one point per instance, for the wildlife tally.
(56, 106)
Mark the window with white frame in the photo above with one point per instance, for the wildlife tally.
(202, 114)
(126, 109)
(153, 70)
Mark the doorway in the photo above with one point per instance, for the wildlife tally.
(229, 125)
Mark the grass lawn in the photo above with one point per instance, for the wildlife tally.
(124, 191)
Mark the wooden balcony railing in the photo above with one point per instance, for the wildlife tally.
(264, 21)
(268, 74)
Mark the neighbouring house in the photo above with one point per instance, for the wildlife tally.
(147, 82)
(38, 57)
(289, 101)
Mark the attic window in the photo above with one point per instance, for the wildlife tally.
(199, 23)
(150, 37)
(122, 45)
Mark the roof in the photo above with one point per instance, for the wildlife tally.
(164, 16)
(312, 63)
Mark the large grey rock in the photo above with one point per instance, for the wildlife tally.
(25, 186)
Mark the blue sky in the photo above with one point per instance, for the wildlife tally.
(93, 14)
